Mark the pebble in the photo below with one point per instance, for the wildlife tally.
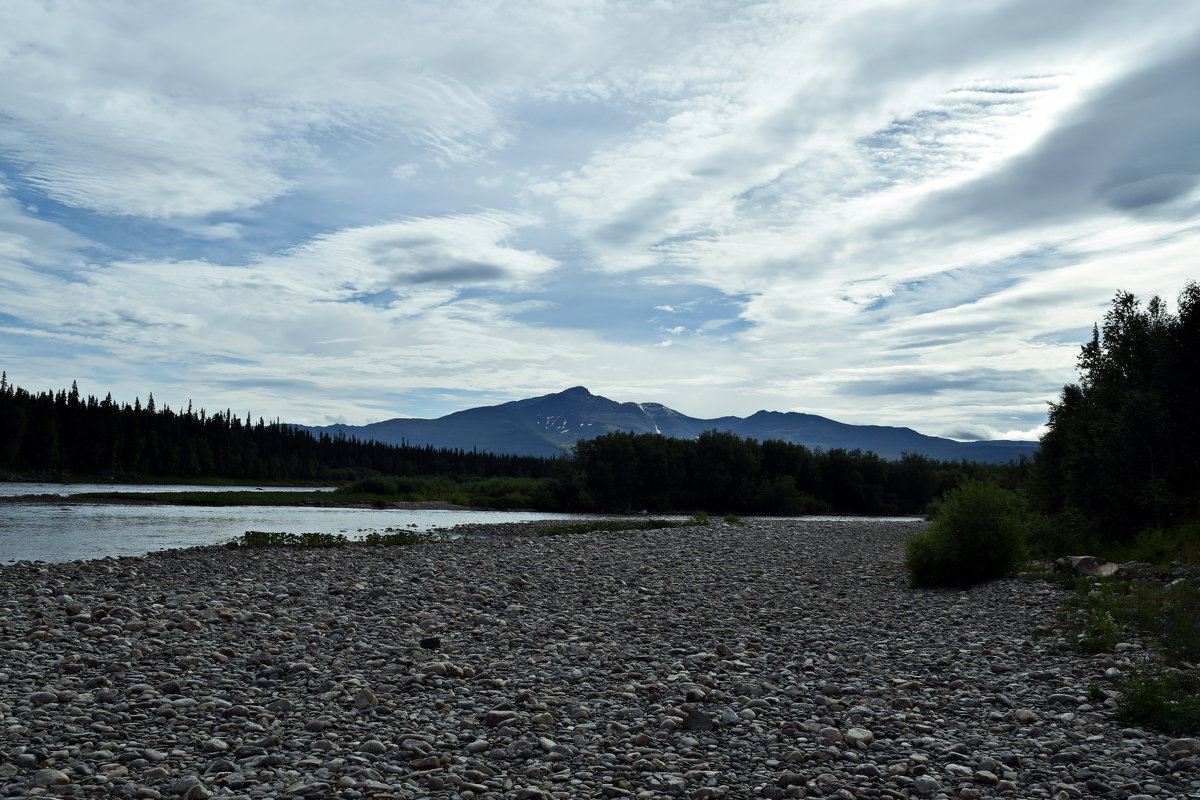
(777, 659)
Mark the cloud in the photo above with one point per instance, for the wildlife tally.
(974, 433)
(1131, 147)
(164, 126)
(226, 107)
(32, 251)
(459, 250)
(910, 382)
(885, 212)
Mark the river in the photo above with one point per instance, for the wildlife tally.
(70, 532)
(54, 532)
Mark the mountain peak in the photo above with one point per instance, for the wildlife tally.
(549, 425)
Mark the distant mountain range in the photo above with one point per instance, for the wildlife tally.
(549, 425)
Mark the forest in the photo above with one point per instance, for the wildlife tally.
(722, 472)
(64, 435)
(1122, 453)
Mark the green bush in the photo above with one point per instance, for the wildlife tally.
(375, 484)
(1160, 545)
(1101, 632)
(1161, 698)
(977, 534)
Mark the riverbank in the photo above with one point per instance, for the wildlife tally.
(69, 478)
(772, 659)
(219, 499)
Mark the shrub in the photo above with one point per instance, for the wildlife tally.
(1162, 698)
(1101, 633)
(977, 534)
(1104, 608)
(375, 484)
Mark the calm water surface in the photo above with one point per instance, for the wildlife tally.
(48, 532)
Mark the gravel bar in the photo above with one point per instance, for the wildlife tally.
(779, 658)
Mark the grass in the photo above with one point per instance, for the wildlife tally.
(217, 499)
(1101, 633)
(1107, 608)
(253, 539)
(231, 482)
(1159, 546)
(495, 493)
(1162, 698)
(615, 526)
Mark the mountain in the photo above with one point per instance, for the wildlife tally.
(549, 425)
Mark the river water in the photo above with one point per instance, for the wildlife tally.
(47, 532)
(69, 532)
(54, 532)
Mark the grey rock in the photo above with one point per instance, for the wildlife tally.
(1086, 565)
(50, 777)
(496, 718)
(1185, 745)
(855, 736)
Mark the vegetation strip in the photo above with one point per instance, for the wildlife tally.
(1117, 476)
(252, 539)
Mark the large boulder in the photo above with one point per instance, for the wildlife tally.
(1086, 565)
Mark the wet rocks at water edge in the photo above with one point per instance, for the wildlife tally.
(773, 659)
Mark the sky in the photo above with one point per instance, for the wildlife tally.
(898, 212)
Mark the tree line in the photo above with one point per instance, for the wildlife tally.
(722, 472)
(1122, 453)
(63, 434)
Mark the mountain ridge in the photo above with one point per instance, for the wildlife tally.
(548, 425)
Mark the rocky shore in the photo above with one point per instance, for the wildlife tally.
(773, 659)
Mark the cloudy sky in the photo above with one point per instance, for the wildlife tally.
(899, 212)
